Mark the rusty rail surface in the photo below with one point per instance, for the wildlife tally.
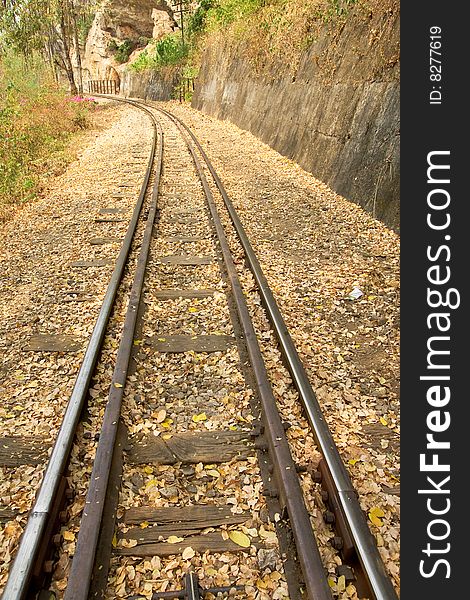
(87, 541)
(333, 474)
(33, 540)
(291, 497)
(285, 472)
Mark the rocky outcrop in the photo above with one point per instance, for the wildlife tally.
(337, 115)
(163, 21)
(96, 58)
(123, 21)
(128, 19)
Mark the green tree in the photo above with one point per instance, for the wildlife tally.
(50, 26)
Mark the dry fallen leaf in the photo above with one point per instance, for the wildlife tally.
(200, 417)
(374, 515)
(239, 538)
(160, 416)
(188, 553)
(299, 288)
(174, 539)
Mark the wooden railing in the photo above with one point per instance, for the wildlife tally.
(186, 88)
(103, 86)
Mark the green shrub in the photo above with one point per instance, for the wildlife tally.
(216, 14)
(168, 51)
(184, 89)
(124, 50)
(340, 7)
(197, 20)
(272, 31)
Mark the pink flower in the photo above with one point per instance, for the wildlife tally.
(80, 99)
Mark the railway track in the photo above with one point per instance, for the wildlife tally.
(190, 409)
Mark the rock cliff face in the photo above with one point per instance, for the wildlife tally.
(134, 21)
(150, 85)
(337, 116)
(163, 21)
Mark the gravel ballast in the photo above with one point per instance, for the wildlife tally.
(334, 271)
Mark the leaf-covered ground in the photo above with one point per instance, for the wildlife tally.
(39, 291)
(315, 248)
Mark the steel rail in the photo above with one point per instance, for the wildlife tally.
(312, 568)
(21, 570)
(366, 548)
(284, 467)
(84, 556)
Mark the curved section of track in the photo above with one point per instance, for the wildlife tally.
(369, 557)
(307, 549)
(347, 509)
(41, 513)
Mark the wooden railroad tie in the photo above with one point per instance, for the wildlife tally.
(170, 294)
(53, 343)
(185, 238)
(188, 343)
(177, 259)
(112, 211)
(191, 447)
(109, 220)
(185, 522)
(99, 241)
(16, 451)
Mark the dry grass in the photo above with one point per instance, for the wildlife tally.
(276, 33)
(36, 120)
